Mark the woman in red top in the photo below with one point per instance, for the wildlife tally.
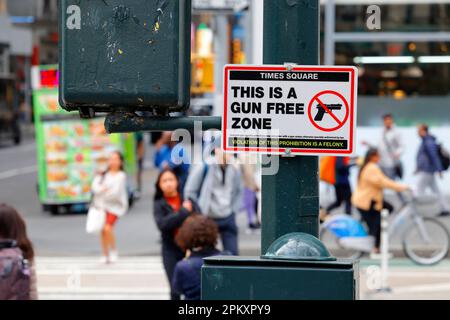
(170, 211)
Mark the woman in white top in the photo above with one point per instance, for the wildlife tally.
(110, 194)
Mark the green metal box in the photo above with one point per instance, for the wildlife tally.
(240, 278)
(132, 54)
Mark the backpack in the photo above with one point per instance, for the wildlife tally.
(204, 174)
(444, 156)
(14, 273)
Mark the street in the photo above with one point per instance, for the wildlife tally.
(215, 150)
(65, 235)
(142, 278)
(68, 264)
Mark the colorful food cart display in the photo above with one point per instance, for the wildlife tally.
(71, 150)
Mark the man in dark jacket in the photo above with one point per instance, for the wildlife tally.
(428, 165)
(342, 187)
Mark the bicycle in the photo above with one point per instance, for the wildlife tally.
(426, 241)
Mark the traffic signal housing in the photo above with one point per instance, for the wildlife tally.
(124, 54)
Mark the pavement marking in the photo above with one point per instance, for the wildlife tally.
(406, 263)
(423, 288)
(96, 259)
(107, 297)
(105, 290)
(85, 278)
(71, 270)
(399, 274)
(17, 172)
(23, 148)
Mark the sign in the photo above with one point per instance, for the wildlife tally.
(297, 110)
(44, 77)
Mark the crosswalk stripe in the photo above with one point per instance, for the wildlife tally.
(17, 172)
(439, 287)
(85, 278)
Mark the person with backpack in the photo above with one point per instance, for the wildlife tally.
(431, 162)
(110, 194)
(252, 188)
(198, 237)
(17, 264)
(170, 211)
(217, 187)
(391, 149)
(171, 155)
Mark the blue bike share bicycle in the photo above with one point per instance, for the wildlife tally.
(426, 241)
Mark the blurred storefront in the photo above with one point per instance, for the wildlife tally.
(221, 34)
(21, 28)
(15, 91)
(404, 66)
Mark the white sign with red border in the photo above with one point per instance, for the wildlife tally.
(296, 110)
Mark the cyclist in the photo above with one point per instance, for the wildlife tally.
(368, 196)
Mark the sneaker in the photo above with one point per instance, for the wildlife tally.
(444, 214)
(104, 260)
(113, 256)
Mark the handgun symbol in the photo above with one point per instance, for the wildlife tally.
(322, 111)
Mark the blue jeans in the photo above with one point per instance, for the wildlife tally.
(229, 233)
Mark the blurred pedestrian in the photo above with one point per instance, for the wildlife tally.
(110, 194)
(18, 280)
(368, 196)
(248, 164)
(340, 174)
(140, 145)
(170, 155)
(429, 164)
(391, 149)
(198, 237)
(217, 187)
(170, 211)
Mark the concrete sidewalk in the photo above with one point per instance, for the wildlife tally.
(406, 280)
(143, 278)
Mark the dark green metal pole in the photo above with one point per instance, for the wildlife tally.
(290, 199)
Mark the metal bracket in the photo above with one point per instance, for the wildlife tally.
(290, 66)
(124, 122)
(288, 154)
(86, 113)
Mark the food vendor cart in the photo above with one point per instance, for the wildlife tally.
(71, 150)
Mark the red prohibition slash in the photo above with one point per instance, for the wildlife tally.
(318, 99)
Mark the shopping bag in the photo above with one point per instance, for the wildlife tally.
(96, 219)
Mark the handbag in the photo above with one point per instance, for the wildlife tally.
(96, 219)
